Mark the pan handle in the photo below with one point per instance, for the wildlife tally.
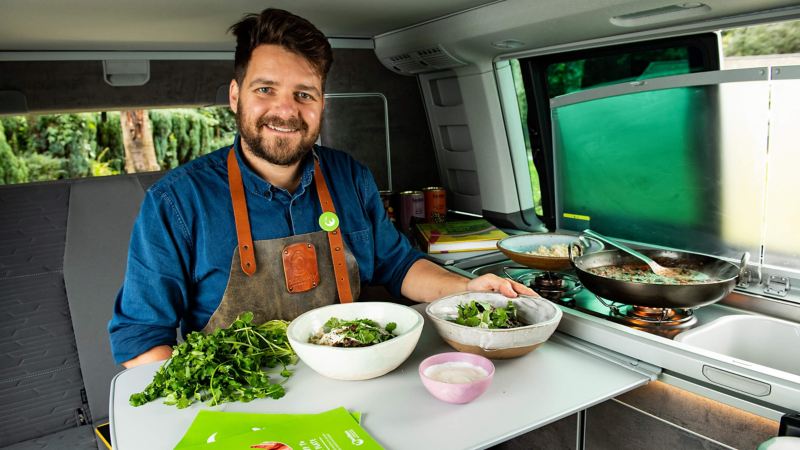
(743, 267)
(575, 249)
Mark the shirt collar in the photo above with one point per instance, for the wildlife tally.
(259, 186)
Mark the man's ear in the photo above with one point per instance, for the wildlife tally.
(233, 95)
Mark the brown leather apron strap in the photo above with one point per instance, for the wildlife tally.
(334, 238)
(243, 235)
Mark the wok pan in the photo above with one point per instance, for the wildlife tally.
(723, 278)
(516, 248)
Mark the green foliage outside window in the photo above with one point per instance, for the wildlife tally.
(70, 137)
(180, 135)
(770, 39)
(522, 101)
(59, 146)
(572, 76)
(12, 168)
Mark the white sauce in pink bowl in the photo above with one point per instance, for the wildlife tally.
(456, 372)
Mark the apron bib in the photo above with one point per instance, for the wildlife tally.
(283, 278)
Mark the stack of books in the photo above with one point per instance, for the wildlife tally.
(458, 236)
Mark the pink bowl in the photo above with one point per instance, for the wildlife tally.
(456, 392)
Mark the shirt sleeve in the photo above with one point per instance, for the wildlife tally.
(394, 254)
(150, 304)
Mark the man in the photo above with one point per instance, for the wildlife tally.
(275, 225)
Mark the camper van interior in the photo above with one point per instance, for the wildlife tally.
(671, 127)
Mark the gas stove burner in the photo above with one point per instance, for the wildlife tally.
(550, 285)
(648, 318)
(643, 315)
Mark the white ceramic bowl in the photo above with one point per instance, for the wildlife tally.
(356, 363)
(541, 316)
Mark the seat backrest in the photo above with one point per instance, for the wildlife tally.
(40, 376)
(63, 253)
(101, 216)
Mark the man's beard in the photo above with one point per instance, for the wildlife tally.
(279, 151)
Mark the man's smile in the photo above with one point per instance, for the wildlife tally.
(282, 129)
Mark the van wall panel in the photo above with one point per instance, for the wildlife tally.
(413, 159)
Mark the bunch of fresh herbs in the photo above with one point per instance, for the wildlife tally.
(226, 365)
(352, 333)
(485, 315)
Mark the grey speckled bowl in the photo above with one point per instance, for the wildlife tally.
(541, 316)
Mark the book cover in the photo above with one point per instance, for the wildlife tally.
(335, 429)
(458, 236)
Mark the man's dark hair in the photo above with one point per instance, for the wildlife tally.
(279, 27)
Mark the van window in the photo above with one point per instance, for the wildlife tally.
(544, 77)
(62, 146)
(775, 45)
(701, 161)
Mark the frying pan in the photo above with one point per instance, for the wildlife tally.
(723, 277)
(517, 247)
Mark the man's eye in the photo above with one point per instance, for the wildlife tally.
(304, 96)
(264, 90)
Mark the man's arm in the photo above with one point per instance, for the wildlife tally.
(149, 307)
(159, 353)
(426, 281)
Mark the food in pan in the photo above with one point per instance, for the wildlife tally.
(553, 251)
(485, 315)
(636, 273)
(352, 333)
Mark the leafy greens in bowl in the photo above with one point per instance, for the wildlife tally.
(539, 319)
(356, 363)
(486, 315)
(352, 333)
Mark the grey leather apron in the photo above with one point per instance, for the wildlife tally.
(283, 278)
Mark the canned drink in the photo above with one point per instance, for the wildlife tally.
(435, 204)
(412, 210)
(386, 197)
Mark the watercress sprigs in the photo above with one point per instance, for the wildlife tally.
(352, 333)
(485, 315)
(226, 365)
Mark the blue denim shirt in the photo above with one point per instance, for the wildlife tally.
(184, 237)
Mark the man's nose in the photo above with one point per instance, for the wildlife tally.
(284, 106)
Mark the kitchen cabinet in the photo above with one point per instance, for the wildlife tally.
(656, 416)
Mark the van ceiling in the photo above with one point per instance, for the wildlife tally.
(201, 25)
(193, 25)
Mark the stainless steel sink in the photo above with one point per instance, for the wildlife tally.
(755, 339)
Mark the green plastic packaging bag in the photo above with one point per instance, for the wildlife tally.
(334, 429)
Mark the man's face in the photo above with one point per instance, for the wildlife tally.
(278, 105)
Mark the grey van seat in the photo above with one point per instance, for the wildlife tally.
(63, 250)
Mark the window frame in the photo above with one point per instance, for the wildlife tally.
(539, 125)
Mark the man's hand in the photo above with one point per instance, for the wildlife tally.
(159, 353)
(491, 282)
(426, 282)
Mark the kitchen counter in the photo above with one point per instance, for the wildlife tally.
(758, 389)
(558, 379)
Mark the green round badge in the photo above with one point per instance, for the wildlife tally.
(328, 221)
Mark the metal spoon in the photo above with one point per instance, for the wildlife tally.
(657, 268)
